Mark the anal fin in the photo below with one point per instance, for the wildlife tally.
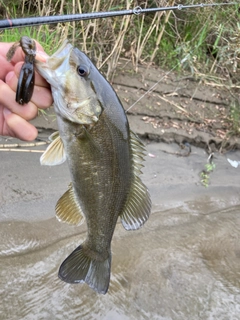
(68, 209)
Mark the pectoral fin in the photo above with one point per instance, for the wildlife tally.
(68, 209)
(54, 154)
(138, 206)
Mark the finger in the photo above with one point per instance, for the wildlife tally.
(7, 99)
(5, 46)
(41, 56)
(42, 96)
(19, 127)
(5, 65)
(19, 55)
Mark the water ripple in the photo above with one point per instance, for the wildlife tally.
(180, 267)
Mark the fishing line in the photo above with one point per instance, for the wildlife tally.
(155, 84)
(179, 7)
(34, 21)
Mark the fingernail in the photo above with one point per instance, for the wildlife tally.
(6, 112)
(9, 76)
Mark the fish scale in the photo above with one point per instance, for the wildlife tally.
(104, 158)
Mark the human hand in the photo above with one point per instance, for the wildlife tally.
(13, 116)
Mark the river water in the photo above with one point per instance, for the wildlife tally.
(183, 264)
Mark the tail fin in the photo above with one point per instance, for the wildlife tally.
(78, 268)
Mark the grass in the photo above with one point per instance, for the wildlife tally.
(206, 38)
(204, 42)
(205, 178)
(234, 118)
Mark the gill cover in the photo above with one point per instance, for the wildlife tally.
(68, 72)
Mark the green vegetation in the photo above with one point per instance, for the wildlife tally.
(234, 118)
(209, 167)
(203, 41)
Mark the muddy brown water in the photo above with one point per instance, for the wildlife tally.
(183, 264)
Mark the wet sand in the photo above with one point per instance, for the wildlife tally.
(183, 264)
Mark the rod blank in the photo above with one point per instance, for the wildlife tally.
(34, 21)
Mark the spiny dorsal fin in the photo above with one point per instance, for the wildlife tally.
(54, 154)
(68, 209)
(138, 206)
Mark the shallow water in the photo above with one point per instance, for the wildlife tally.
(178, 267)
(183, 264)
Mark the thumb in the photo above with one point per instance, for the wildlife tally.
(19, 55)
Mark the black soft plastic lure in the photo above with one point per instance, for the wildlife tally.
(27, 76)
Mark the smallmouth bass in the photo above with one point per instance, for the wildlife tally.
(104, 158)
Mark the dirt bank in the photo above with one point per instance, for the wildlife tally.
(183, 264)
(181, 108)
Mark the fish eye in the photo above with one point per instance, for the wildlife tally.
(82, 70)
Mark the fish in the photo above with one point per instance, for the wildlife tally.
(104, 158)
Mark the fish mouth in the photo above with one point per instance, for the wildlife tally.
(52, 68)
(72, 99)
(64, 50)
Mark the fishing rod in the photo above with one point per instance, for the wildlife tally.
(34, 21)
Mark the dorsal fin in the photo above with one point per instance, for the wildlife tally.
(138, 206)
(54, 154)
(68, 209)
